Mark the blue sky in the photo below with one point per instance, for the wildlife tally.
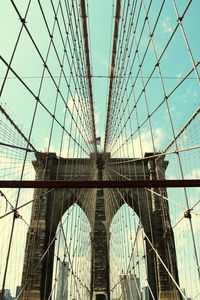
(26, 62)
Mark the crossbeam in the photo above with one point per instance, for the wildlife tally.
(99, 183)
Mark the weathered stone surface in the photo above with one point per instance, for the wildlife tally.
(170, 294)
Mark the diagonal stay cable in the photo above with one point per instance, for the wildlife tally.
(16, 127)
(85, 35)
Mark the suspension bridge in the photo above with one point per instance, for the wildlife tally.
(99, 150)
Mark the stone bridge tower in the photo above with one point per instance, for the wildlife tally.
(47, 211)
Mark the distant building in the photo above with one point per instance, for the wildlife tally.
(62, 284)
(7, 295)
(130, 286)
(145, 293)
(18, 289)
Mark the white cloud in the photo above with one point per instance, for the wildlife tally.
(172, 109)
(97, 118)
(194, 174)
(195, 93)
(166, 25)
(66, 151)
(133, 147)
(185, 253)
(18, 241)
(11, 168)
(179, 75)
(103, 62)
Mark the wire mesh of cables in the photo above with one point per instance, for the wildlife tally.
(152, 108)
(149, 115)
(51, 112)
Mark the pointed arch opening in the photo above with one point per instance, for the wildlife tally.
(128, 271)
(72, 256)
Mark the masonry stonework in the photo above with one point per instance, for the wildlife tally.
(47, 211)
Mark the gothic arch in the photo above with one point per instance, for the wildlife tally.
(100, 217)
(61, 200)
(47, 212)
(141, 203)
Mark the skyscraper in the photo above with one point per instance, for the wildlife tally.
(62, 285)
(145, 293)
(7, 295)
(130, 286)
(18, 289)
